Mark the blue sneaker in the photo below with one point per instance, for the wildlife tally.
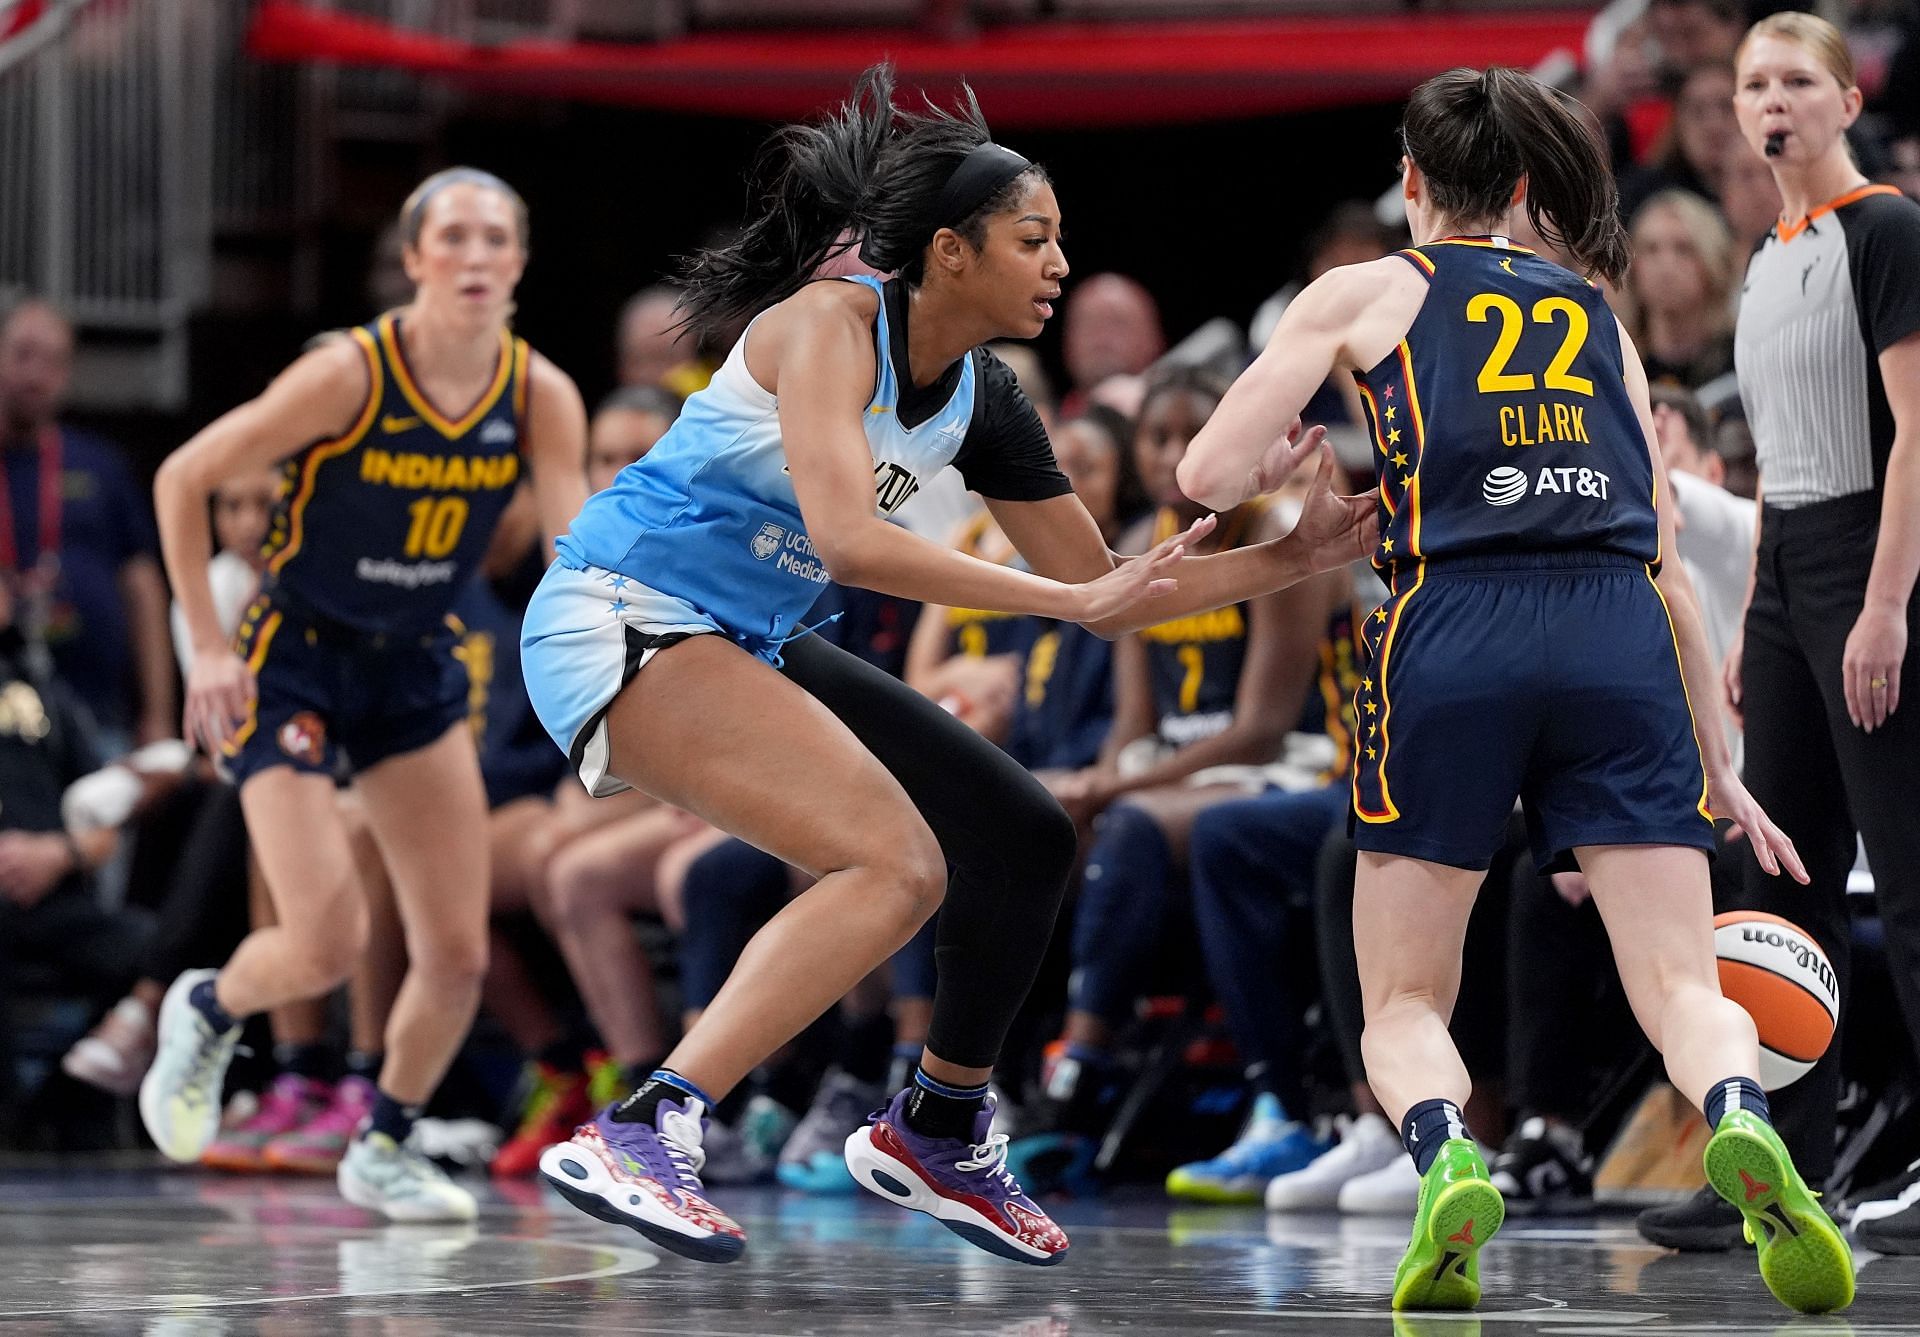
(1270, 1146)
(647, 1176)
(814, 1158)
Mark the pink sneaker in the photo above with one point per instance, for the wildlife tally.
(316, 1147)
(116, 1054)
(284, 1106)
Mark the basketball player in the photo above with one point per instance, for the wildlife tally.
(664, 651)
(1533, 643)
(403, 443)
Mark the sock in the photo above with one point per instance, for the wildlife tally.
(1426, 1126)
(661, 1084)
(906, 1057)
(935, 1109)
(310, 1061)
(562, 1056)
(1737, 1093)
(365, 1063)
(866, 1046)
(201, 996)
(391, 1117)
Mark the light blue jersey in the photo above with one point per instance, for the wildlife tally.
(709, 515)
(704, 534)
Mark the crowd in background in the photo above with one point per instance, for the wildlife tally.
(1200, 1020)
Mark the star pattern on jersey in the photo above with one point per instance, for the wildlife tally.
(1379, 615)
(1371, 754)
(1399, 459)
(1393, 437)
(1387, 393)
(1372, 709)
(618, 582)
(617, 607)
(1386, 545)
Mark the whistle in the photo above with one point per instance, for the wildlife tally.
(1776, 143)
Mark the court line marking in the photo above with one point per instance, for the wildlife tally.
(625, 1261)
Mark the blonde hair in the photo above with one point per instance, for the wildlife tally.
(1821, 39)
(1712, 242)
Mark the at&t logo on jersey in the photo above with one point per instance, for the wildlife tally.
(767, 542)
(1506, 485)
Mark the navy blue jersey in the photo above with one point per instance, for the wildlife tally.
(980, 632)
(1194, 662)
(379, 528)
(1330, 710)
(1502, 421)
(1065, 705)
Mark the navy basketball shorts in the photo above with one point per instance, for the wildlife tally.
(333, 699)
(1554, 679)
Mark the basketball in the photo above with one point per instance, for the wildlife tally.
(1777, 972)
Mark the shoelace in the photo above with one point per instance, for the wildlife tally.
(200, 1074)
(680, 1136)
(991, 1156)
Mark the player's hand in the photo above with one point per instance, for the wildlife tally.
(1728, 797)
(1870, 667)
(1277, 464)
(220, 689)
(1334, 530)
(1138, 579)
(1730, 676)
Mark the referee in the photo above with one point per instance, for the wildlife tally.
(1828, 354)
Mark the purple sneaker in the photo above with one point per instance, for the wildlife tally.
(963, 1185)
(647, 1176)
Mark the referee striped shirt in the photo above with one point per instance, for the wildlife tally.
(1823, 299)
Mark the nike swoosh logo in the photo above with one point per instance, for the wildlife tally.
(391, 424)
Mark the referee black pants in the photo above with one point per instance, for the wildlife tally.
(1825, 781)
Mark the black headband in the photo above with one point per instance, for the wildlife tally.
(976, 180)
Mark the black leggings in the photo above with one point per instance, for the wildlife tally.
(1009, 845)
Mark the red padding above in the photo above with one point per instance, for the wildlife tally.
(1047, 75)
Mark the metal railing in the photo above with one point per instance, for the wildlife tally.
(106, 129)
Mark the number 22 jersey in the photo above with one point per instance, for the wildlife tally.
(1501, 422)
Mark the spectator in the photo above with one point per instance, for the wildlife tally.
(1112, 329)
(1679, 292)
(77, 543)
(1749, 198)
(654, 348)
(49, 917)
(1691, 33)
(1694, 146)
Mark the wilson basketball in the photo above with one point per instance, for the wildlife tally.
(1777, 972)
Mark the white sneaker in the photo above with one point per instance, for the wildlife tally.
(1391, 1190)
(1366, 1145)
(180, 1095)
(383, 1176)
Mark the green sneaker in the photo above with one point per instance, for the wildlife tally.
(1458, 1212)
(1804, 1259)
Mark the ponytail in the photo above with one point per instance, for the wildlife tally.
(1477, 134)
(870, 177)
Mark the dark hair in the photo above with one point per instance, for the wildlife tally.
(869, 175)
(1130, 497)
(1687, 404)
(1181, 379)
(641, 399)
(413, 214)
(1476, 134)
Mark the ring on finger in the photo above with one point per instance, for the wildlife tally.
(1879, 684)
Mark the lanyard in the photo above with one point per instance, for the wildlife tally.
(48, 533)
